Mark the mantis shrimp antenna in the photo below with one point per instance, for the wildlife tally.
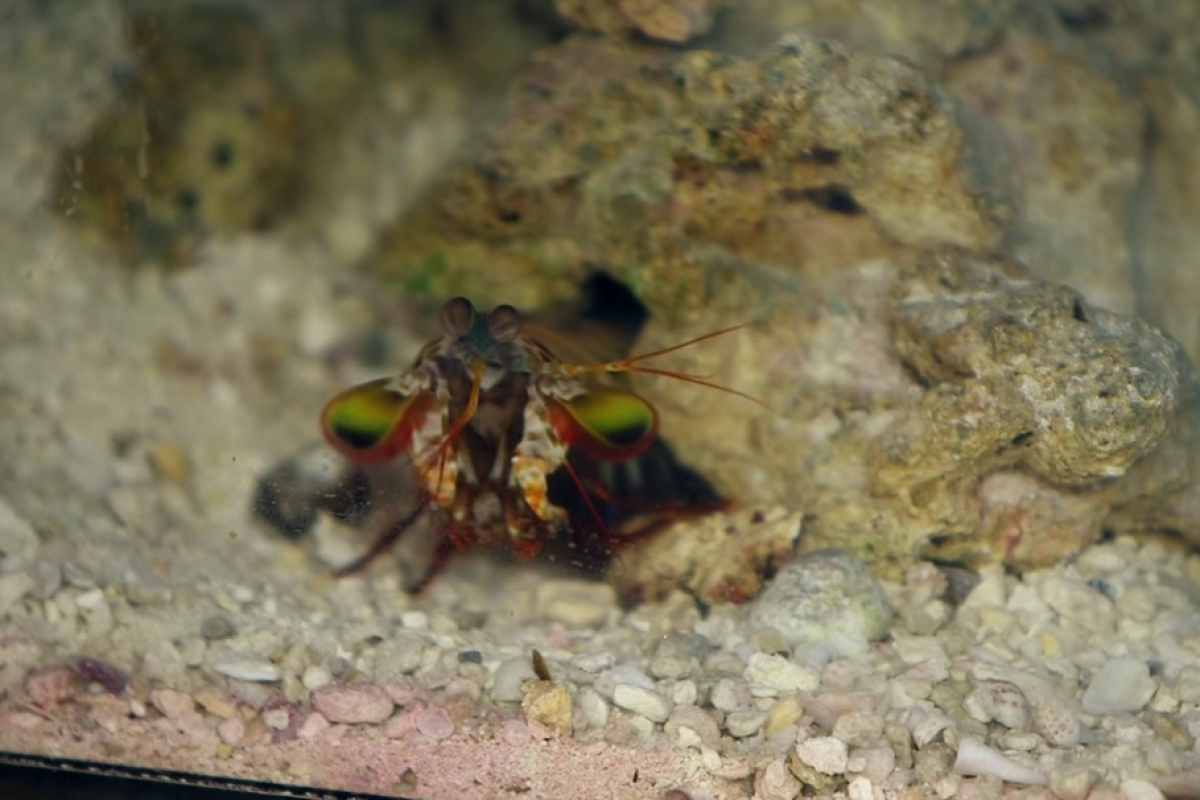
(633, 364)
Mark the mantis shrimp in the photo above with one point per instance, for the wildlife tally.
(489, 418)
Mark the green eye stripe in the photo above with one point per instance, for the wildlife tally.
(362, 417)
(615, 417)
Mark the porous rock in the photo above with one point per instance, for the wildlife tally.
(828, 599)
(829, 198)
(549, 704)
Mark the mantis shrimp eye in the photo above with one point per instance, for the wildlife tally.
(457, 316)
(504, 324)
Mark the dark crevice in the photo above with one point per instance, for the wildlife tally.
(832, 197)
(1085, 18)
(825, 156)
(187, 199)
(222, 154)
(609, 301)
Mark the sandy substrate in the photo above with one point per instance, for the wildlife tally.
(139, 412)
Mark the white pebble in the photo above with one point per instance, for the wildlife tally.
(315, 676)
(685, 737)
(860, 789)
(780, 674)
(13, 587)
(731, 694)
(398, 655)
(696, 720)
(592, 662)
(96, 612)
(919, 649)
(925, 721)
(277, 718)
(580, 604)
(1122, 685)
(650, 704)
(622, 673)
(1025, 599)
(1073, 781)
(192, 651)
(90, 600)
(317, 331)
(859, 728)
(826, 598)
(1135, 789)
(1101, 558)
(991, 591)
(415, 620)
(685, 692)
(744, 724)
(976, 758)
(776, 782)
(1079, 603)
(249, 670)
(877, 762)
(593, 707)
(506, 683)
(825, 754)
(1021, 742)
(669, 667)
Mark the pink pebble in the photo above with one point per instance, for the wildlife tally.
(26, 720)
(231, 730)
(49, 685)
(463, 686)
(171, 703)
(314, 725)
(515, 732)
(403, 694)
(402, 725)
(353, 703)
(435, 723)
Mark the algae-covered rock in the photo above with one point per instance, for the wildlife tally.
(205, 136)
(1084, 111)
(232, 117)
(669, 169)
(1026, 376)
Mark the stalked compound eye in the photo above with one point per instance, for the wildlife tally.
(504, 324)
(457, 316)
